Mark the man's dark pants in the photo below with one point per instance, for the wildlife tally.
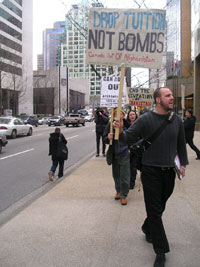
(158, 186)
(98, 137)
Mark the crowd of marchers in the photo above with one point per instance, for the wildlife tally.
(147, 144)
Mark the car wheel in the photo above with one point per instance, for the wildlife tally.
(83, 123)
(30, 132)
(14, 134)
(66, 125)
(0, 147)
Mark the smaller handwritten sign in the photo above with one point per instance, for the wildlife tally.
(141, 97)
(110, 91)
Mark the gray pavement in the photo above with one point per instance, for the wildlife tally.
(79, 224)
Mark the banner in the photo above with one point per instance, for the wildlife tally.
(141, 97)
(110, 91)
(134, 37)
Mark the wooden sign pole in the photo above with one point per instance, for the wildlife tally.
(120, 99)
(111, 123)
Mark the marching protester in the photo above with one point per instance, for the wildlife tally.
(101, 120)
(158, 174)
(189, 126)
(119, 158)
(131, 117)
(56, 141)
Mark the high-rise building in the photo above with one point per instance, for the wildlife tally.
(179, 36)
(40, 62)
(51, 42)
(73, 51)
(16, 70)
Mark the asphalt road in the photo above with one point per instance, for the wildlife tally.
(24, 162)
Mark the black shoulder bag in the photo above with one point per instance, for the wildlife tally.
(62, 150)
(137, 149)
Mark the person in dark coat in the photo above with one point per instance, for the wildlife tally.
(53, 148)
(101, 120)
(189, 126)
(131, 117)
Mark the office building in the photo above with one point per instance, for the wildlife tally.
(73, 51)
(51, 42)
(40, 62)
(16, 66)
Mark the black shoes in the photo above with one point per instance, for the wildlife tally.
(148, 238)
(97, 155)
(160, 260)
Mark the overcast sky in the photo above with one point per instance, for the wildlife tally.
(46, 12)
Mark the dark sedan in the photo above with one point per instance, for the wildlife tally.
(56, 121)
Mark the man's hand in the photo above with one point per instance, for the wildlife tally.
(182, 171)
(118, 124)
(110, 136)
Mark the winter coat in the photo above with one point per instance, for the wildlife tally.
(101, 122)
(189, 125)
(53, 144)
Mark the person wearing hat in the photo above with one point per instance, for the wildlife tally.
(120, 162)
(189, 126)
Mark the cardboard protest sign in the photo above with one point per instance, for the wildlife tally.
(110, 92)
(141, 97)
(133, 37)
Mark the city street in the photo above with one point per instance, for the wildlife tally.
(24, 162)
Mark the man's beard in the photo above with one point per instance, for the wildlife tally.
(166, 107)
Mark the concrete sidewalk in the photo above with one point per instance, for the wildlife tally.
(78, 223)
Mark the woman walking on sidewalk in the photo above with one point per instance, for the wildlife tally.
(54, 140)
(120, 163)
(131, 117)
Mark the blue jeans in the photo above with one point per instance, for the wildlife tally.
(54, 166)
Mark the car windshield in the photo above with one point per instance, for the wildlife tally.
(24, 117)
(55, 117)
(5, 121)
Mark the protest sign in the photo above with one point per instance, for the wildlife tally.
(110, 91)
(141, 97)
(133, 37)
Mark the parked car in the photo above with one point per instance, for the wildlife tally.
(74, 119)
(33, 120)
(56, 121)
(43, 120)
(13, 127)
(83, 112)
(3, 141)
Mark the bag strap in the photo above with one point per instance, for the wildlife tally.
(152, 137)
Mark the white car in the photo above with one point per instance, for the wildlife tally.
(13, 127)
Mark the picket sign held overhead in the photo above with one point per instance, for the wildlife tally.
(126, 37)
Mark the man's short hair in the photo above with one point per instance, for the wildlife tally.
(190, 111)
(156, 93)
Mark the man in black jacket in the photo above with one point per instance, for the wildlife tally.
(101, 120)
(189, 126)
(54, 140)
(158, 175)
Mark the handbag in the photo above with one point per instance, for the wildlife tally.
(62, 150)
(138, 148)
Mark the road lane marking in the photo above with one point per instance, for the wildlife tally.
(13, 155)
(72, 137)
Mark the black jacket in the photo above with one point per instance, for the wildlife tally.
(101, 122)
(53, 144)
(189, 125)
